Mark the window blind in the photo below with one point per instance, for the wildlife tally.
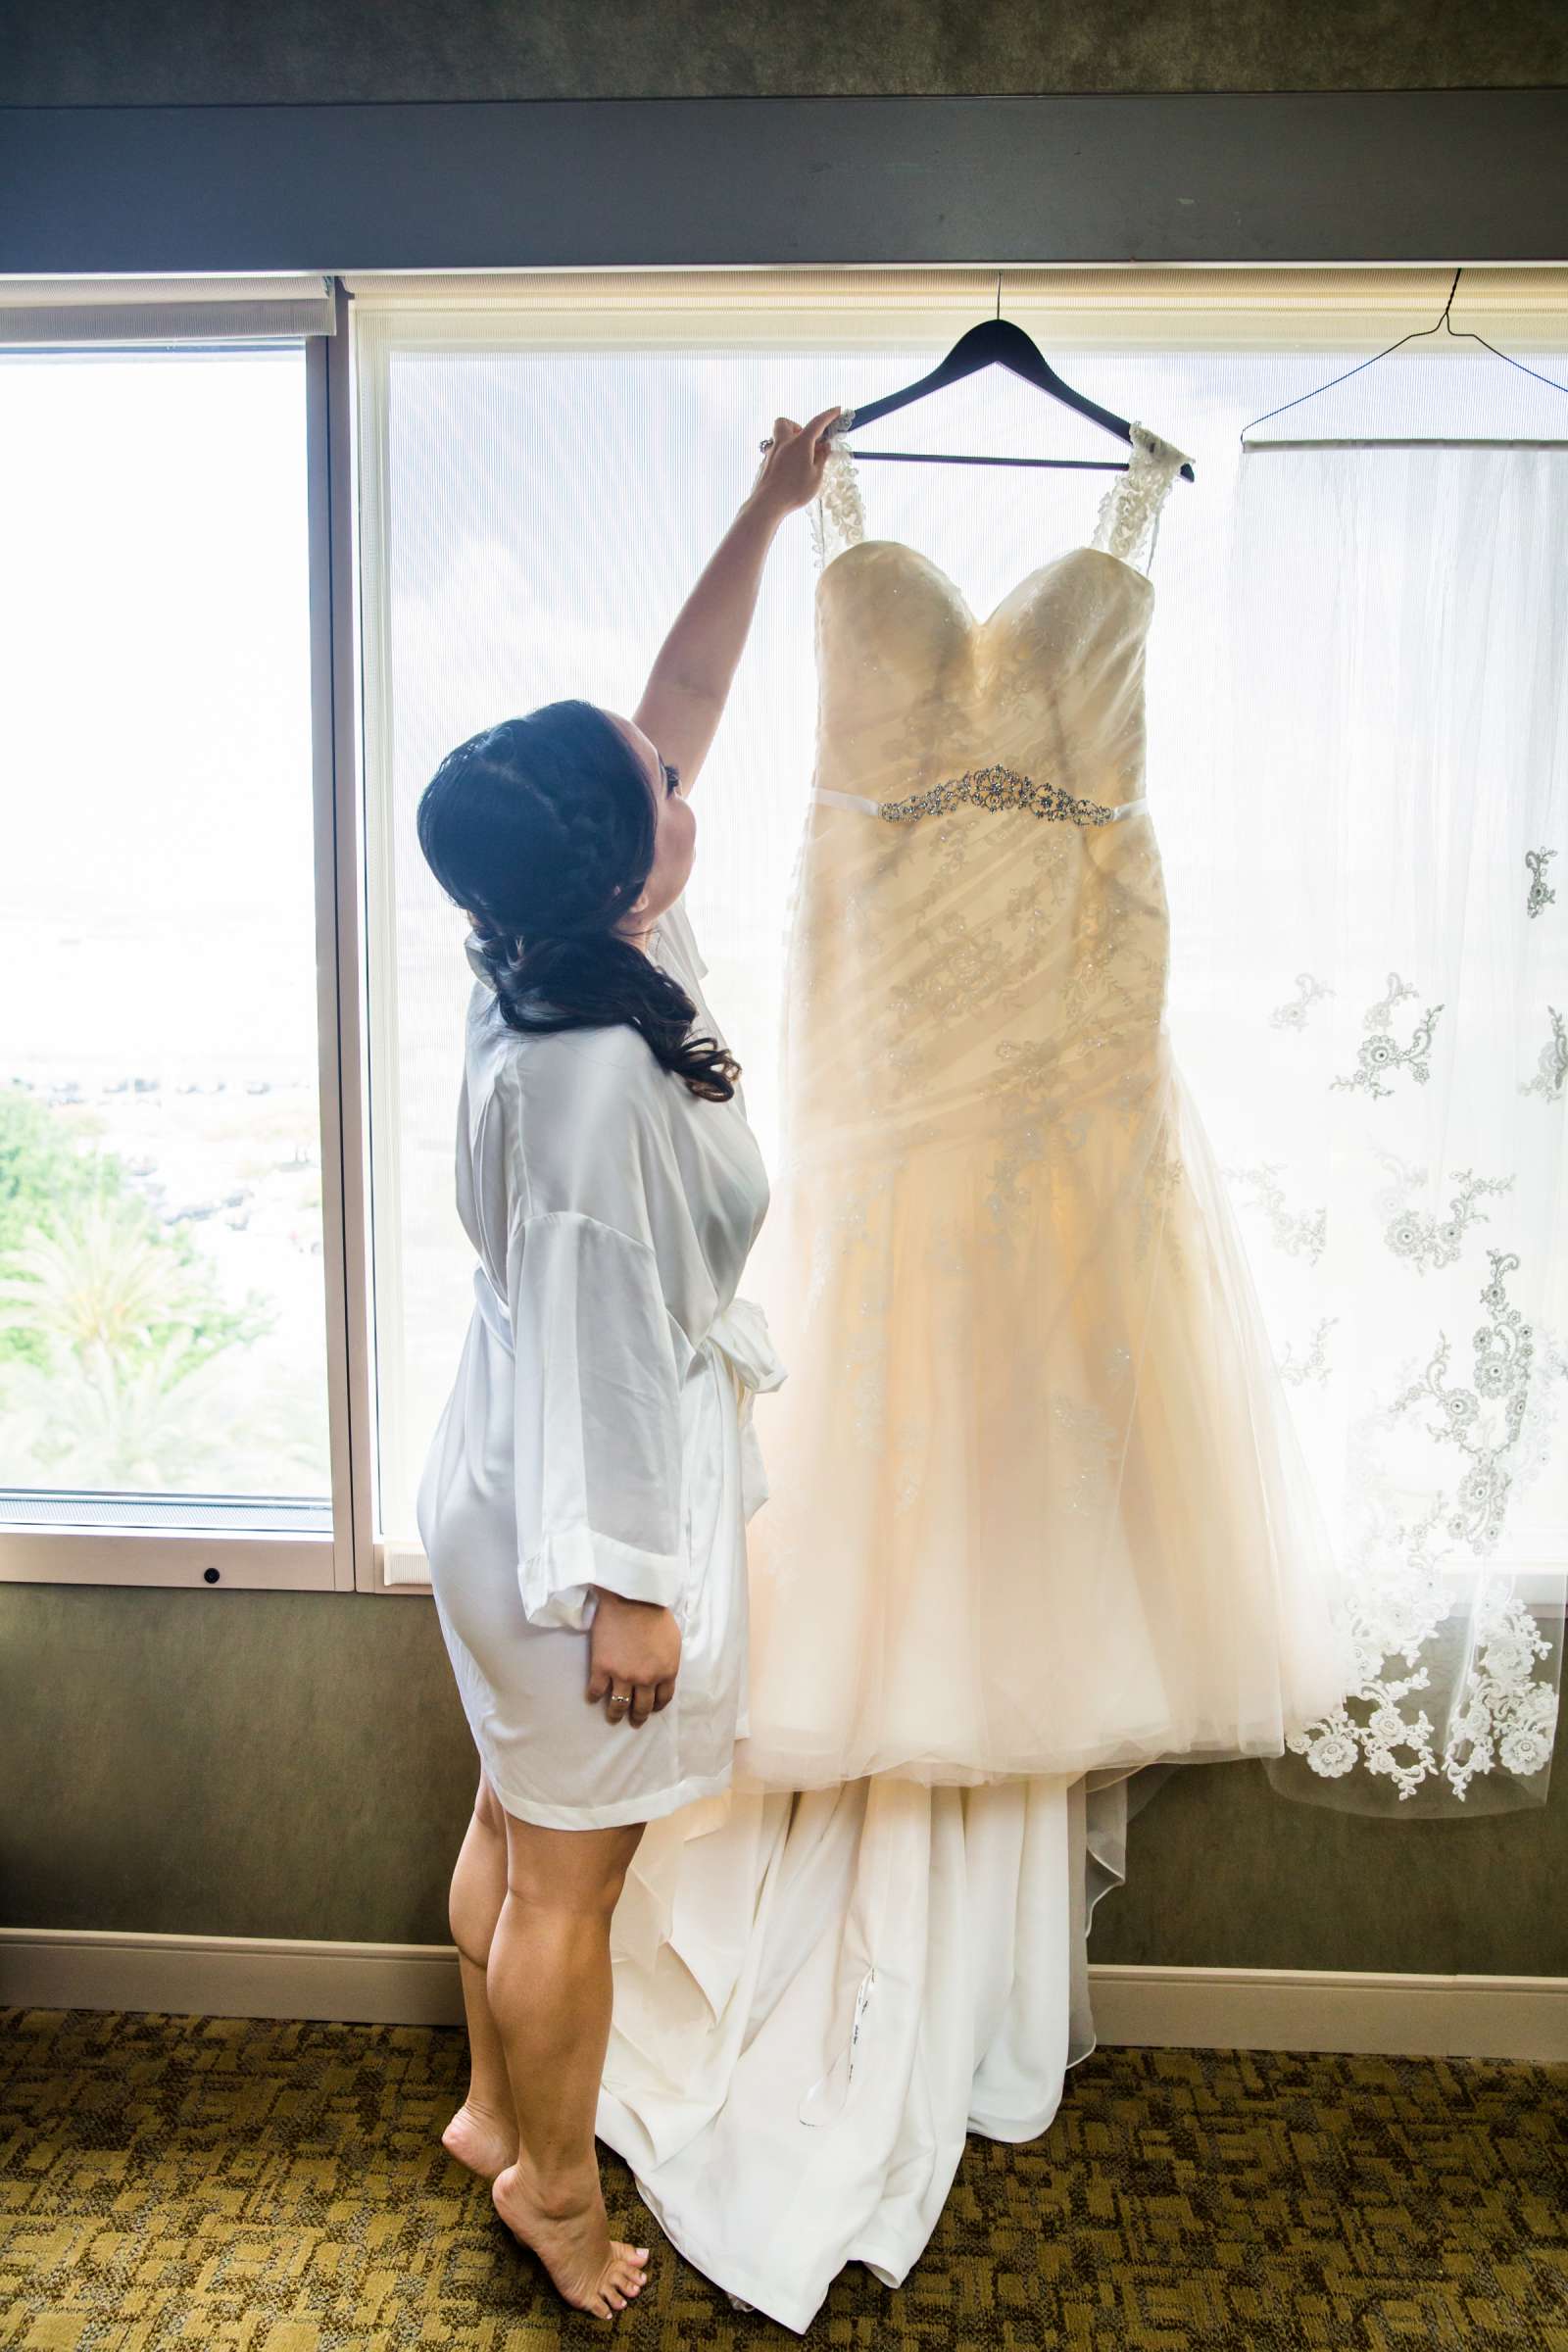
(1165, 309)
(45, 311)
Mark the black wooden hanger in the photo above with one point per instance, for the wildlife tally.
(994, 343)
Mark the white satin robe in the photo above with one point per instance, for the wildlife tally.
(597, 1431)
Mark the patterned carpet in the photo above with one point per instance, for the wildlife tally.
(212, 2182)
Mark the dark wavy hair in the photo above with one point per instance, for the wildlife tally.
(542, 830)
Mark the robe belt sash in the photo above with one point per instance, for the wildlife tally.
(736, 1347)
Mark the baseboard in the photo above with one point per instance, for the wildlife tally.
(230, 1976)
(1170, 2008)
(1398, 2016)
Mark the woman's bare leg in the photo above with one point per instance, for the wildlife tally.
(549, 1987)
(483, 2134)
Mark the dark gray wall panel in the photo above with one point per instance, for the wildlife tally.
(693, 183)
(1222, 1873)
(228, 1763)
(213, 51)
(298, 1765)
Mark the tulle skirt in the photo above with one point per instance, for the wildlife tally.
(1036, 1503)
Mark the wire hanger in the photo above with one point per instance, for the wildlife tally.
(994, 343)
(1460, 333)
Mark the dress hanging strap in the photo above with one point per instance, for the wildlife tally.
(838, 510)
(1128, 522)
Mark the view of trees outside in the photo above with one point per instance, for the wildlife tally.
(161, 1324)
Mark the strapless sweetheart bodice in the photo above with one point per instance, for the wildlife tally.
(962, 956)
(913, 686)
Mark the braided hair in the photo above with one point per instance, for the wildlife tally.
(542, 829)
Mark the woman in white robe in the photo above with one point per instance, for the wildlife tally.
(584, 1496)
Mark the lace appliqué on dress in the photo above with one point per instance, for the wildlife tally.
(838, 510)
(1128, 522)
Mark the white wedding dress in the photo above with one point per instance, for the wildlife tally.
(1033, 1462)
(1038, 1517)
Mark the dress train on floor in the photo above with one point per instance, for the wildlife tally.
(818, 1995)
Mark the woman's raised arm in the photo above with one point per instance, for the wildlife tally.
(690, 680)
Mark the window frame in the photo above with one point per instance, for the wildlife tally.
(340, 1557)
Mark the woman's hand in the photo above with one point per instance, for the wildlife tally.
(791, 472)
(633, 1651)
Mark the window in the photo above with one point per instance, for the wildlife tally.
(544, 479)
(222, 961)
(163, 1296)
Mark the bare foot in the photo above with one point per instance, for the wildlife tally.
(571, 2235)
(481, 2139)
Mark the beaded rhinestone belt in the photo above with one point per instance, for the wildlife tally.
(991, 787)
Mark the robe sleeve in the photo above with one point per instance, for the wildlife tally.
(598, 1365)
